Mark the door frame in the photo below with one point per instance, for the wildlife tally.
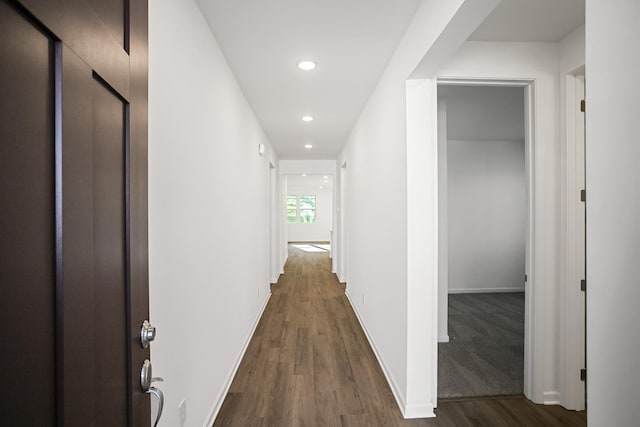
(533, 315)
(342, 221)
(572, 325)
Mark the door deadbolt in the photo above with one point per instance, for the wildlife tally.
(147, 334)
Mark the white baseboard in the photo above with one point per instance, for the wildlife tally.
(551, 398)
(419, 411)
(213, 413)
(408, 411)
(443, 338)
(486, 290)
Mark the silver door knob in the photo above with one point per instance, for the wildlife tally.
(147, 334)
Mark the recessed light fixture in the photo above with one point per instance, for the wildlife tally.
(306, 65)
(307, 118)
(307, 146)
(304, 174)
(325, 177)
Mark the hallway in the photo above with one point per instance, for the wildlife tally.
(309, 364)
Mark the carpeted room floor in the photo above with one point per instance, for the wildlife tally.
(485, 352)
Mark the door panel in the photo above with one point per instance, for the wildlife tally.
(95, 278)
(109, 241)
(112, 13)
(74, 211)
(81, 28)
(27, 225)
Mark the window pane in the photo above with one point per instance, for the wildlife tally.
(292, 202)
(307, 215)
(291, 215)
(307, 202)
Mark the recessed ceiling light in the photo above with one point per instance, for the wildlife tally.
(304, 174)
(307, 146)
(307, 118)
(325, 177)
(306, 65)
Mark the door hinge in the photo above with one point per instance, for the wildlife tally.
(583, 285)
(582, 106)
(583, 375)
(525, 278)
(583, 195)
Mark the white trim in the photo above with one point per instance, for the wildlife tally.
(529, 85)
(422, 242)
(443, 338)
(486, 290)
(213, 413)
(418, 411)
(572, 301)
(551, 398)
(408, 411)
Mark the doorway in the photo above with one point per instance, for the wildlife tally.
(485, 204)
(342, 215)
(309, 215)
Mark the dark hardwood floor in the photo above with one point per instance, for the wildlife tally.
(310, 364)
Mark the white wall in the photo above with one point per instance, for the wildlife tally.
(487, 211)
(318, 231)
(613, 209)
(486, 188)
(208, 213)
(401, 331)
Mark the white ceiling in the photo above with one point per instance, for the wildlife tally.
(531, 20)
(351, 41)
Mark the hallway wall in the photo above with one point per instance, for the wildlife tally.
(613, 209)
(208, 213)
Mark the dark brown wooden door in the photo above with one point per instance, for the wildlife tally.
(73, 212)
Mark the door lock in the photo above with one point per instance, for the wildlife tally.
(147, 334)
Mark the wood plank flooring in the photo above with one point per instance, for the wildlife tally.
(309, 364)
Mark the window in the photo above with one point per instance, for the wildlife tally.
(301, 209)
(307, 209)
(292, 209)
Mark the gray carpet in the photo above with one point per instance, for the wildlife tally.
(485, 354)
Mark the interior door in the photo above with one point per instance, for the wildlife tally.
(73, 209)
